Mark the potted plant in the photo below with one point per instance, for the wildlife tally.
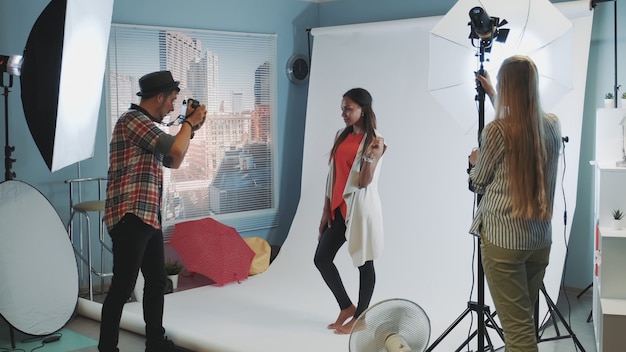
(617, 219)
(624, 100)
(172, 269)
(609, 100)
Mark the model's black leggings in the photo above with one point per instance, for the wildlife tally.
(329, 243)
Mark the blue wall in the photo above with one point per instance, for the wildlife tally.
(289, 19)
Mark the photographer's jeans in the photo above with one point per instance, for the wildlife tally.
(136, 246)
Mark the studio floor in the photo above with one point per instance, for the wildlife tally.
(576, 310)
(288, 306)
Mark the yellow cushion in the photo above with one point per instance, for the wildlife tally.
(92, 205)
(262, 250)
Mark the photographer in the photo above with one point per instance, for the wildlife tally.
(515, 171)
(138, 150)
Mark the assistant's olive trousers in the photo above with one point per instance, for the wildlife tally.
(514, 278)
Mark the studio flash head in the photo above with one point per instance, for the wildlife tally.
(486, 28)
(482, 25)
(11, 64)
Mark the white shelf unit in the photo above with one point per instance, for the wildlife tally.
(609, 279)
(609, 307)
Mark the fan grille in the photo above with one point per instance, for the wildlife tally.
(385, 318)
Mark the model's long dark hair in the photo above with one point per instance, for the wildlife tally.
(364, 99)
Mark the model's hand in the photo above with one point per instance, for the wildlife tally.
(324, 223)
(376, 148)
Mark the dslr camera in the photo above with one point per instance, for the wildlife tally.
(194, 104)
(183, 111)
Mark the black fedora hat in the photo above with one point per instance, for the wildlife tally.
(157, 82)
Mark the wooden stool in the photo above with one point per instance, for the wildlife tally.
(83, 208)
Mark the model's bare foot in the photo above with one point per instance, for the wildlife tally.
(344, 315)
(346, 328)
(354, 325)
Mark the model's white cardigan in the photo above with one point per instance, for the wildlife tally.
(364, 218)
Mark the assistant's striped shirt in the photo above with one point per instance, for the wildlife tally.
(489, 177)
(135, 177)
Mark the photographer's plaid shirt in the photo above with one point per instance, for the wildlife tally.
(135, 177)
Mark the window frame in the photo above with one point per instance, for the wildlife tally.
(244, 220)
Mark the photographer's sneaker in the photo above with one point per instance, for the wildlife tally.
(166, 346)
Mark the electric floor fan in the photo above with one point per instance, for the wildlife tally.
(393, 325)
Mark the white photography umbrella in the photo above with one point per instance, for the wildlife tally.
(536, 29)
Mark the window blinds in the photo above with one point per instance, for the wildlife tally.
(229, 170)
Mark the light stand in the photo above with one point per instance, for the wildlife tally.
(592, 5)
(8, 161)
(12, 65)
(619, 163)
(485, 29)
(552, 308)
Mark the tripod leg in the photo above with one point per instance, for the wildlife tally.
(448, 330)
(467, 341)
(12, 333)
(492, 324)
(554, 309)
(489, 346)
(585, 290)
(489, 323)
(590, 317)
(553, 320)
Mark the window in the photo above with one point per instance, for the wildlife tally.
(229, 171)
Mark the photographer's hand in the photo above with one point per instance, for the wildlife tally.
(191, 124)
(197, 117)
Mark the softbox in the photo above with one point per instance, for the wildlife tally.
(62, 76)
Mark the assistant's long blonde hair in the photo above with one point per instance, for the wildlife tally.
(519, 105)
